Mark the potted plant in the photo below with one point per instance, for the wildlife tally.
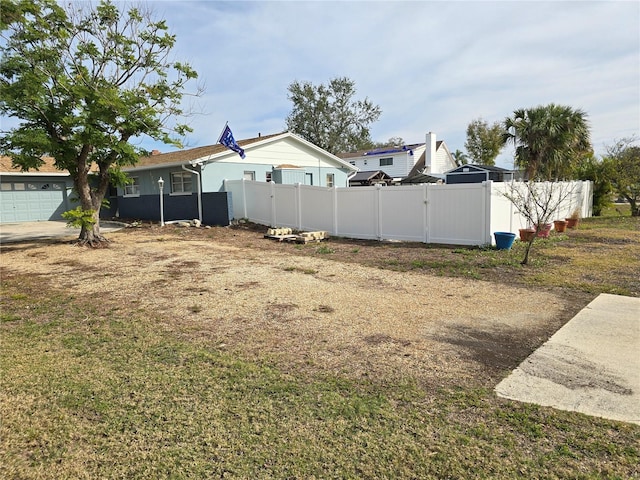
(504, 240)
(526, 234)
(572, 221)
(544, 230)
(559, 225)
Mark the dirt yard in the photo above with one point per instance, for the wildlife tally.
(341, 312)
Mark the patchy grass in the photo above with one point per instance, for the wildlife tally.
(97, 392)
(601, 256)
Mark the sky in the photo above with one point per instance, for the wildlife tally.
(429, 65)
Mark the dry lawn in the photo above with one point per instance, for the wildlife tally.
(239, 291)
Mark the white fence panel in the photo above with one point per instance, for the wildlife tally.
(286, 203)
(402, 213)
(458, 214)
(259, 205)
(504, 216)
(465, 214)
(357, 212)
(238, 203)
(568, 196)
(316, 208)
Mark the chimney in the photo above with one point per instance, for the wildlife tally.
(430, 152)
(155, 152)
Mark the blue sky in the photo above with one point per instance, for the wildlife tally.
(430, 66)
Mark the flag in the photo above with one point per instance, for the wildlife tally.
(228, 141)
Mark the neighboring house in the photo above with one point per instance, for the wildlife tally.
(194, 178)
(473, 173)
(377, 177)
(432, 157)
(35, 195)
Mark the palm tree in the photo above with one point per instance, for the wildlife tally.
(549, 140)
(460, 157)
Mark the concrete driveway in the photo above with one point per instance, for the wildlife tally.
(35, 231)
(591, 365)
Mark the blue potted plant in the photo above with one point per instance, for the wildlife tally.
(504, 240)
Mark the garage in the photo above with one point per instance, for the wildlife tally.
(27, 201)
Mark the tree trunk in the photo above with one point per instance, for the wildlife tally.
(91, 200)
(90, 234)
(525, 260)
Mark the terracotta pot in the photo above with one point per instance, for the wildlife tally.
(560, 225)
(572, 222)
(544, 230)
(526, 234)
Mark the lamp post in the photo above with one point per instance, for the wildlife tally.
(161, 187)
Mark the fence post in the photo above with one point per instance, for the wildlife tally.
(377, 212)
(488, 186)
(335, 211)
(425, 211)
(298, 205)
(244, 200)
(274, 219)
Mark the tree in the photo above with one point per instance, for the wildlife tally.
(538, 203)
(328, 117)
(622, 166)
(549, 140)
(84, 81)
(392, 142)
(484, 141)
(460, 157)
(590, 168)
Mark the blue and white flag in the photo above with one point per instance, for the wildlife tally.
(228, 141)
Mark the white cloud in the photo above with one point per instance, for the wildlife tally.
(430, 65)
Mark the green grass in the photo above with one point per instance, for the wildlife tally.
(93, 393)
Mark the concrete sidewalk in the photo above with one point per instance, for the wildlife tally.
(591, 365)
(46, 230)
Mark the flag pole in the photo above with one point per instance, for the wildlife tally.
(222, 132)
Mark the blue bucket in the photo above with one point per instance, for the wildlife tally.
(504, 240)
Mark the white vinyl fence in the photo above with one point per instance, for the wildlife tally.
(466, 214)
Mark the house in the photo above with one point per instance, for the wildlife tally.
(376, 177)
(432, 157)
(42, 194)
(193, 179)
(478, 173)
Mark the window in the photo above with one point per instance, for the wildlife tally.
(181, 182)
(132, 189)
(385, 162)
(330, 179)
(249, 175)
(353, 162)
(5, 186)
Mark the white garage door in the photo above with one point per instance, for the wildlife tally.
(31, 201)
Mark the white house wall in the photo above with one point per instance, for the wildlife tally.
(442, 162)
(402, 162)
